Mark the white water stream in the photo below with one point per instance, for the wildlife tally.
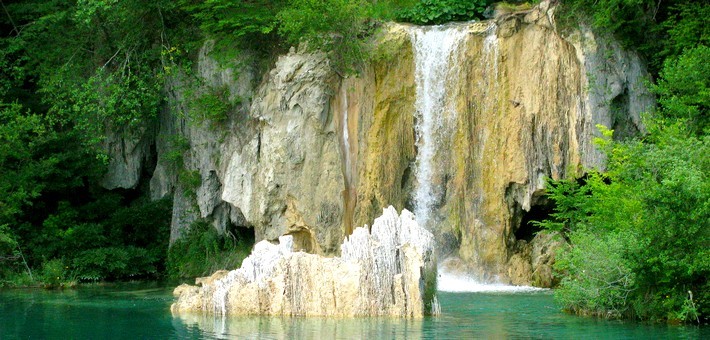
(458, 283)
(346, 134)
(434, 55)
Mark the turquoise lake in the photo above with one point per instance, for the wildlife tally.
(141, 311)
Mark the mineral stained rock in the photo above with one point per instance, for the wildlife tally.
(388, 269)
(311, 154)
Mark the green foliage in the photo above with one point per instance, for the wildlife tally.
(122, 100)
(434, 12)
(110, 263)
(178, 145)
(389, 10)
(684, 89)
(53, 218)
(658, 29)
(629, 20)
(21, 135)
(213, 106)
(338, 27)
(243, 22)
(569, 197)
(7, 241)
(597, 278)
(203, 251)
(131, 242)
(639, 233)
(190, 180)
(91, 64)
(53, 274)
(333, 25)
(647, 216)
(687, 26)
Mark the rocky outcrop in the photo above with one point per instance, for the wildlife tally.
(388, 269)
(308, 154)
(191, 142)
(531, 263)
(130, 154)
(288, 179)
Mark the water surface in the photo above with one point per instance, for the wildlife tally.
(141, 311)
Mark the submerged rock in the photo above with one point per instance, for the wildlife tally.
(388, 269)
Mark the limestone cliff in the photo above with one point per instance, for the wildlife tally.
(522, 105)
(309, 154)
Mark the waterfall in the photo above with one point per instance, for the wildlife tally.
(346, 136)
(490, 54)
(459, 283)
(434, 53)
(349, 193)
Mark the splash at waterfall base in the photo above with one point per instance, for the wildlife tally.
(386, 270)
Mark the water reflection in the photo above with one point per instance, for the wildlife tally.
(252, 327)
(142, 312)
(489, 315)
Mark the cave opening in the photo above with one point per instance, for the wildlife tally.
(622, 122)
(539, 211)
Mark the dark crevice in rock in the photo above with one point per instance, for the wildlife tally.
(244, 234)
(622, 124)
(538, 212)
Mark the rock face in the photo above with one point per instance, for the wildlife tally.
(288, 178)
(310, 154)
(388, 269)
(521, 103)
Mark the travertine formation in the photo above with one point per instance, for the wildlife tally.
(311, 154)
(388, 269)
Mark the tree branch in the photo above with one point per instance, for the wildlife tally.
(14, 27)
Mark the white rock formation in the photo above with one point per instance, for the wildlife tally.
(388, 269)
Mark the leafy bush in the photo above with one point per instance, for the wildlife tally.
(657, 29)
(684, 89)
(90, 64)
(597, 278)
(244, 22)
(190, 181)
(178, 145)
(334, 26)
(213, 106)
(203, 251)
(110, 263)
(434, 12)
(627, 19)
(53, 273)
(640, 242)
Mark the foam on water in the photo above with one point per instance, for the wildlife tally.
(457, 283)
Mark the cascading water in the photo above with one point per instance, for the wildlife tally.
(458, 283)
(434, 54)
(490, 54)
(436, 66)
(346, 136)
(349, 194)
